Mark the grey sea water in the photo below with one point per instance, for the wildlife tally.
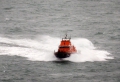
(30, 31)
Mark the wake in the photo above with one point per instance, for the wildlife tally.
(42, 49)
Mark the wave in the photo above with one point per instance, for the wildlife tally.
(42, 48)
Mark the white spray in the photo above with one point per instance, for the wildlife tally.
(42, 49)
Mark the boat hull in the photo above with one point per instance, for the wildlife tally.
(61, 55)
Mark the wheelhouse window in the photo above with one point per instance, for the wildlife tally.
(64, 47)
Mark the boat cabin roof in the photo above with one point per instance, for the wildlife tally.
(65, 43)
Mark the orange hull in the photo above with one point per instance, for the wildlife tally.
(65, 49)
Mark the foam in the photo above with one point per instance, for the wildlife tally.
(42, 49)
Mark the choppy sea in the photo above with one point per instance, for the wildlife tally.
(30, 31)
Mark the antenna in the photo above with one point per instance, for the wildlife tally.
(66, 36)
(70, 37)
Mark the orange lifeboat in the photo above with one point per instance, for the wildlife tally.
(65, 48)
